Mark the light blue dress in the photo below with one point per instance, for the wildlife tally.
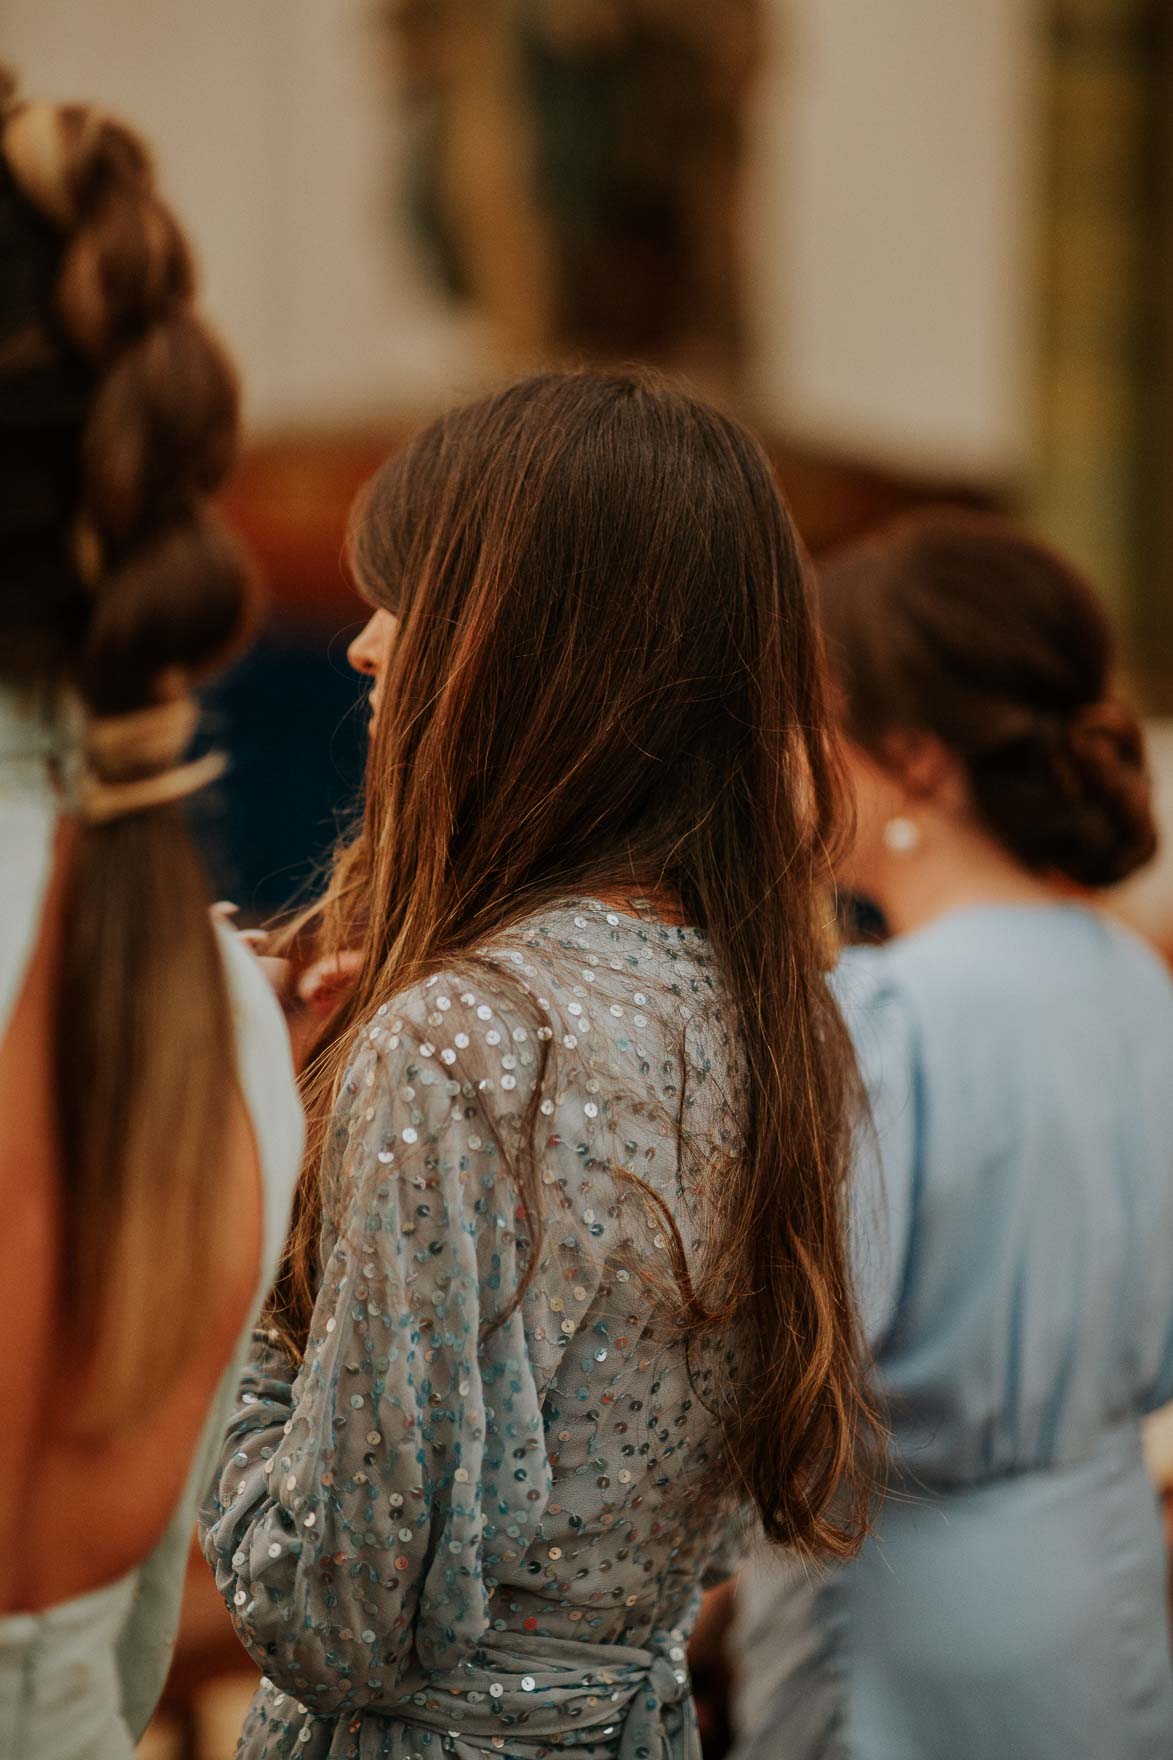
(1018, 1275)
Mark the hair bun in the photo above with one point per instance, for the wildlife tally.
(1104, 728)
(1070, 794)
(1100, 761)
(960, 625)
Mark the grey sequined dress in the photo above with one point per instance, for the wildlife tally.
(449, 1536)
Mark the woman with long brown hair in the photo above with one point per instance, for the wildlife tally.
(567, 1280)
(149, 1125)
(1017, 1269)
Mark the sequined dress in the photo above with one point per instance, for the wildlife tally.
(470, 1523)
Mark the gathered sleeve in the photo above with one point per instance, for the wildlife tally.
(888, 1148)
(359, 1502)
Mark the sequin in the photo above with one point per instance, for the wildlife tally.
(449, 1488)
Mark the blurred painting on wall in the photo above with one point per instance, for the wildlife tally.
(576, 168)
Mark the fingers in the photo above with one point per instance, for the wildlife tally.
(323, 980)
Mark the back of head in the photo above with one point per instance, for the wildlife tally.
(582, 564)
(118, 415)
(607, 675)
(960, 625)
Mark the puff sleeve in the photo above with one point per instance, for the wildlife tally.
(358, 1502)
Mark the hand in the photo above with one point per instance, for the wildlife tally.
(322, 985)
(278, 971)
(316, 991)
(319, 990)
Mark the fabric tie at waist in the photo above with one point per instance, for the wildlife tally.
(560, 1692)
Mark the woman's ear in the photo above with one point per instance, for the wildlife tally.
(927, 769)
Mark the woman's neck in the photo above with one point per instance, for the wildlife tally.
(969, 871)
(659, 902)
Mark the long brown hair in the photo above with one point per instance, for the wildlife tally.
(607, 676)
(961, 625)
(119, 416)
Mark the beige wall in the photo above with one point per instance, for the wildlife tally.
(891, 222)
(888, 222)
(276, 143)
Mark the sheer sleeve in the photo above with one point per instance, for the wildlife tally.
(358, 1504)
(735, 1541)
(887, 1157)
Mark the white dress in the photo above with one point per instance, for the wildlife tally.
(80, 1680)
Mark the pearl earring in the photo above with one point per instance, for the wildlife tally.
(902, 836)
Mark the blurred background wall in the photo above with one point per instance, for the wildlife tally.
(892, 218)
(890, 173)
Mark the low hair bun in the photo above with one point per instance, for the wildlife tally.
(960, 625)
(1104, 753)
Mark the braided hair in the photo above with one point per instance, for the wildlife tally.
(119, 591)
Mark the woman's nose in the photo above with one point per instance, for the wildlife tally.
(366, 649)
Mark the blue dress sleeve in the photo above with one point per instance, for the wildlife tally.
(882, 1024)
(1160, 1393)
(371, 1479)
